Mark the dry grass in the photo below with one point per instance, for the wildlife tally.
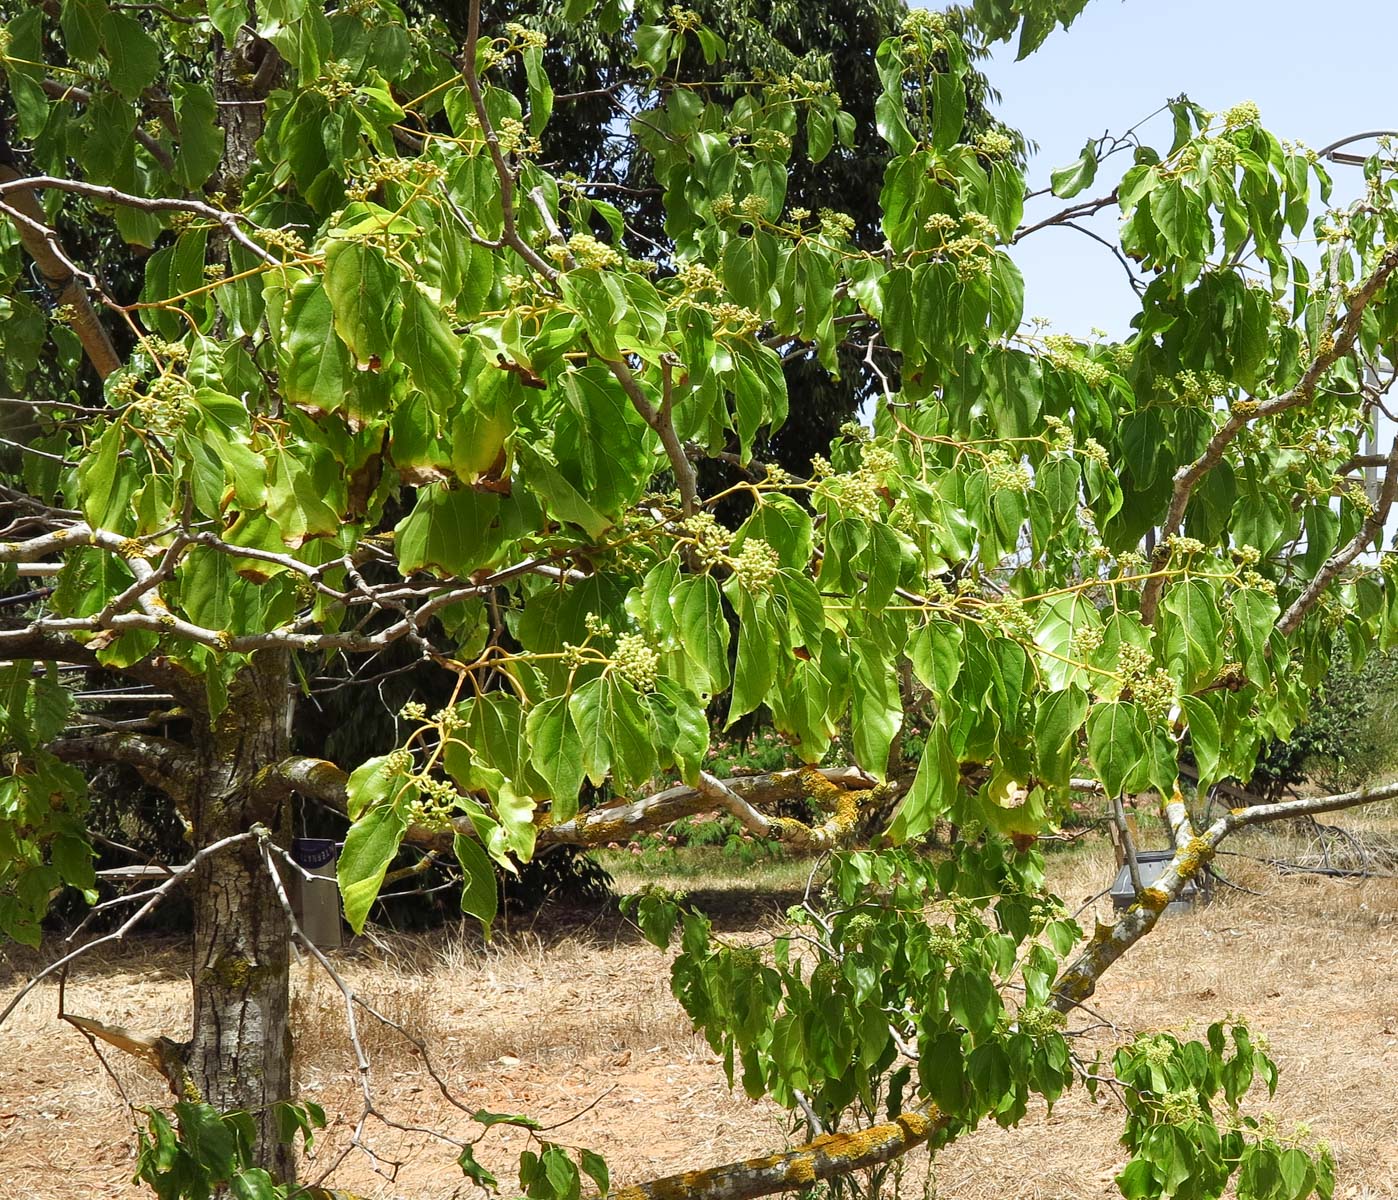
(560, 1018)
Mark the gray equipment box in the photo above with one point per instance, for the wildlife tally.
(1152, 864)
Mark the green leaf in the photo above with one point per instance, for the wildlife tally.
(935, 651)
(1204, 740)
(562, 498)
(479, 890)
(540, 90)
(427, 346)
(133, 56)
(1192, 629)
(228, 16)
(81, 22)
(973, 1000)
(360, 284)
(1057, 724)
(933, 792)
(755, 672)
(1068, 181)
(473, 1170)
(595, 1168)
(316, 366)
(556, 753)
(253, 1184)
(616, 731)
(1254, 617)
(1115, 742)
(370, 845)
(876, 712)
(1059, 634)
(703, 631)
(456, 531)
(201, 138)
(106, 488)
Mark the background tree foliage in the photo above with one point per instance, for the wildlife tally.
(395, 383)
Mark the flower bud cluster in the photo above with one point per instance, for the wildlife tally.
(1196, 386)
(695, 279)
(1067, 355)
(756, 566)
(1059, 434)
(636, 661)
(1225, 154)
(684, 20)
(436, 803)
(995, 143)
(1085, 642)
(738, 320)
(514, 139)
(1011, 618)
(1245, 113)
(1151, 686)
(835, 226)
(1040, 1021)
(710, 539)
(413, 710)
(769, 141)
(165, 403)
(393, 170)
(1181, 1108)
(334, 82)
(1183, 547)
(1007, 474)
(588, 251)
(924, 33)
(524, 38)
(1094, 451)
(283, 239)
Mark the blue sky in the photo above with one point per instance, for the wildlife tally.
(1318, 71)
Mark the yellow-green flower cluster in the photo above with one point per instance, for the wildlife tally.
(1067, 355)
(709, 538)
(1245, 113)
(995, 143)
(636, 661)
(695, 279)
(1196, 386)
(683, 19)
(588, 251)
(1012, 619)
(436, 803)
(756, 566)
(525, 38)
(1007, 474)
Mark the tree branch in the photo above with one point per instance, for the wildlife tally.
(230, 221)
(1371, 529)
(794, 1170)
(1187, 477)
(166, 763)
(324, 781)
(59, 274)
(1110, 942)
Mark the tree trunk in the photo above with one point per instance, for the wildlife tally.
(240, 1049)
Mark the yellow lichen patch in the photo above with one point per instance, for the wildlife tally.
(1193, 856)
(1154, 899)
(820, 789)
(801, 1172)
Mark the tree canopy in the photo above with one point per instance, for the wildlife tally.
(381, 376)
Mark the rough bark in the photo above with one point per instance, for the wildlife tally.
(239, 1054)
